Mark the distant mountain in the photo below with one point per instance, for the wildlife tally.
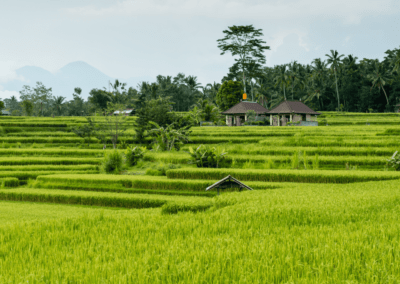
(63, 81)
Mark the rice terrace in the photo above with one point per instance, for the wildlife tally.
(284, 174)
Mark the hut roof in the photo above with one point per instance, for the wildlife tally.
(229, 178)
(292, 107)
(244, 106)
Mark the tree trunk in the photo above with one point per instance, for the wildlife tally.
(284, 93)
(385, 95)
(337, 91)
(252, 96)
(244, 81)
(292, 92)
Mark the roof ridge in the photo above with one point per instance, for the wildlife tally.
(291, 110)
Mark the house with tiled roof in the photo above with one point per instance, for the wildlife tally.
(293, 111)
(236, 115)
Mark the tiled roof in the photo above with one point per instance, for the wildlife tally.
(292, 107)
(243, 107)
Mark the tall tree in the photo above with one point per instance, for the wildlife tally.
(229, 94)
(294, 75)
(40, 96)
(380, 77)
(58, 104)
(334, 59)
(281, 79)
(244, 42)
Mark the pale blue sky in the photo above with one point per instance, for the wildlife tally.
(137, 38)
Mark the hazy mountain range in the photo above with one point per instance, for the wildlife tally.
(75, 74)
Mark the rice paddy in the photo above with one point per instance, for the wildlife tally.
(324, 206)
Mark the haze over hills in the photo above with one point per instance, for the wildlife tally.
(63, 81)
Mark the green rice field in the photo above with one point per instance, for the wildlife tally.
(325, 206)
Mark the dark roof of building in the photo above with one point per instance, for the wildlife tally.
(292, 107)
(244, 106)
(229, 178)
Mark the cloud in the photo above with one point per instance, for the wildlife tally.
(351, 12)
(277, 43)
(7, 71)
(4, 94)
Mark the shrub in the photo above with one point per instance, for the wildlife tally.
(206, 157)
(112, 162)
(133, 155)
(394, 161)
(161, 170)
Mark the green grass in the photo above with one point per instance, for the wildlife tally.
(91, 181)
(304, 234)
(48, 161)
(73, 225)
(13, 212)
(106, 199)
(307, 176)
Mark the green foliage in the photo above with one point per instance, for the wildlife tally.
(394, 161)
(100, 98)
(134, 155)
(113, 162)
(244, 42)
(37, 101)
(251, 116)
(167, 138)
(114, 125)
(161, 169)
(206, 157)
(27, 106)
(229, 94)
(87, 130)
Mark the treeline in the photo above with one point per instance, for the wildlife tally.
(334, 83)
(181, 91)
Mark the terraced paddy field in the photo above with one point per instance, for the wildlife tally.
(325, 206)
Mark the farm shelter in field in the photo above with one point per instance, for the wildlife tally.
(236, 115)
(228, 182)
(293, 111)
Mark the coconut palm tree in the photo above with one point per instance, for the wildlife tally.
(294, 75)
(317, 81)
(58, 103)
(379, 77)
(335, 60)
(281, 79)
(396, 63)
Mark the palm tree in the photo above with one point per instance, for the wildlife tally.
(262, 88)
(294, 75)
(396, 63)
(212, 91)
(334, 60)
(58, 103)
(379, 77)
(281, 78)
(316, 80)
